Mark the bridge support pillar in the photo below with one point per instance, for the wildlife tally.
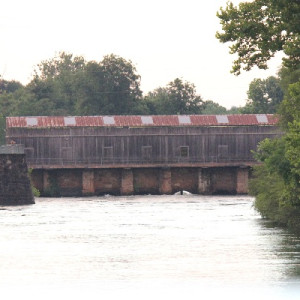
(165, 181)
(242, 177)
(88, 183)
(204, 181)
(127, 182)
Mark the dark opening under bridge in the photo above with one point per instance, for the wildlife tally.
(94, 155)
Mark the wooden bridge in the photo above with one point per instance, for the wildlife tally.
(141, 154)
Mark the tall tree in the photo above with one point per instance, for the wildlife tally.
(260, 28)
(70, 85)
(55, 80)
(121, 85)
(264, 95)
(257, 30)
(178, 97)
(111, 86)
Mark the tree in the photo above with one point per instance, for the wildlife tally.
(178, 97)
(157, 101)
(9, 86)
(292, 150)
(212, 108)
(121, 82)
(235, 110)
(281, 164)
(63, 64)
(121, 85)
(264, 96)
(258, 29)
(111, 86)
(56, 80)
(69, 85)
(290, 106)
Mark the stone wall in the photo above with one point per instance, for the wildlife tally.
(15, 187)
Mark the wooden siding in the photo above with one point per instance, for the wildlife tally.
(102, 147)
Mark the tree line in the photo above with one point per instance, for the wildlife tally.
(256, 31)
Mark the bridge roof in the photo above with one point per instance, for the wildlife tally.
(141, 121)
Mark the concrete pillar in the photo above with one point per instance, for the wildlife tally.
(127, 182)
(88, 184)
(242, 177)
(165, 182)
(204, 181)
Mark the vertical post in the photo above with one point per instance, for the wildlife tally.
(204, 181)
(165, 181)
(242, 177)
(88, 184)
(127, 182)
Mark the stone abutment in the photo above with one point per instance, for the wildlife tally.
(15, 187)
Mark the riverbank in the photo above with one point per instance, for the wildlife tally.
(269, 192)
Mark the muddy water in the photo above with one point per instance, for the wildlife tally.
(146, 247)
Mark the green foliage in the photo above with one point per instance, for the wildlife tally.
(276, 184)
(270, 192)
(68, 85)
(281, 158)
(54, 84)
(178, 97)
(267, 188)
(9, 86)
(2, 130)
(288, 77)
(293, 148)
(290, 107)
(109, 87)
(260, 28)
(235, 110)
(8, 92)
(272, 153)
(264, 96)
(35, 191)
(257, 30)
(276, 198)
(212, 108)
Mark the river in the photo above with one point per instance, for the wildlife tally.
(145, 247)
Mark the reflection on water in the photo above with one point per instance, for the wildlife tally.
(146, 245)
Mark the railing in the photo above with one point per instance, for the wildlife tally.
(137, 161)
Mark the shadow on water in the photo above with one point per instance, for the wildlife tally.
(286, 248)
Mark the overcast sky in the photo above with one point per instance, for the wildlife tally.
(164, 39)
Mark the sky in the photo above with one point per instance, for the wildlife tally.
(164, 39)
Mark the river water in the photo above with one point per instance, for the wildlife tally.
(145, 247)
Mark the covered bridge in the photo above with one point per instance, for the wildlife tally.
(141, 154)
